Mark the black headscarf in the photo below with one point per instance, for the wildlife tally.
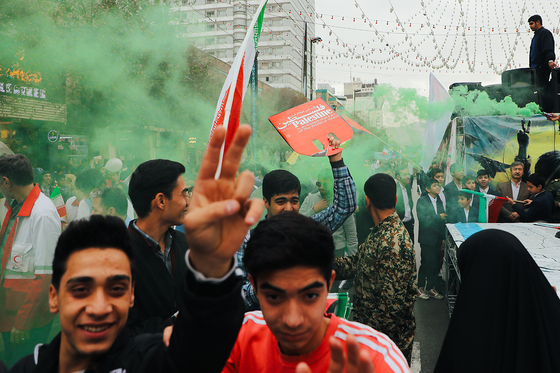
(507, 315)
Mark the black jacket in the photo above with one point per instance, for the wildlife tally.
(543, 43)
(476, 199)
(458, 216)
(203, 335)
(432, 226)
(156, 292)
(539, 209)
(400, 201)
(451, 192)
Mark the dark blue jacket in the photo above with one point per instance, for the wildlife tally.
(539, 209)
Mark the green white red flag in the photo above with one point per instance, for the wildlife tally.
(58, 201)
(228, 110)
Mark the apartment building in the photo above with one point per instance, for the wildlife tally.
(219, 27)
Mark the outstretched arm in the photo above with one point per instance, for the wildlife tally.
(220, 215)
(344, 193)
(220, 212)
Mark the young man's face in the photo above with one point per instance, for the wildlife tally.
(517, 172)
(483, 181)
(93, 300)
(47, 179)
(177, 205)
(535, 25)
(293, 304)
(469, 184)
(533, 189)
(439, 177)
(434, 189)
(283, 202)
(97, 208)
(458, 174)
(463, 201)
(404, 177)
(325, 187)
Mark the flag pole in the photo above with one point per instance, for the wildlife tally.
(235, 68)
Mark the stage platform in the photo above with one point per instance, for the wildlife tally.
(540, 241)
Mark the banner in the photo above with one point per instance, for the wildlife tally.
(437, 121)
(489, 207)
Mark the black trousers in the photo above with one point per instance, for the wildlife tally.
(430, 265)
(409, 225)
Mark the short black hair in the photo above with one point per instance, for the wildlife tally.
(114, 197)
(381, 190)
(88, 180)
(465, 194)
(17, 168)
(97, 231)
(548, 165)
(434, 171)
(535, 18)
(431, 182)
(467, 178)
(288, 240)
(536, 180)
(482, 172)
(149, 179)
(456, 166)
(278, 182)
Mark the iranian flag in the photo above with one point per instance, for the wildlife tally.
(228, 110)
(58, 201)
(489, 207)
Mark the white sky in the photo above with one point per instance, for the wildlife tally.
(479, 32)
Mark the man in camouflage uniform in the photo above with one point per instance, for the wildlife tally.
(384, 269)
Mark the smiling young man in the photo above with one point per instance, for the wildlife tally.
(160, 198)
(94, 275)
(290, 263)
(281, 192)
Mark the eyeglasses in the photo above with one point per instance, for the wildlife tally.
(319, 184)
(186, 194)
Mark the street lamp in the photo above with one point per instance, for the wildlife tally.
(313, 41)
(354, 99)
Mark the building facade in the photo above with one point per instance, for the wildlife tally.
(219, 27)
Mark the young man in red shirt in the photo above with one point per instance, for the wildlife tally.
(289, 259)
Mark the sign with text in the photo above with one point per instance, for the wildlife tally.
(306, 128)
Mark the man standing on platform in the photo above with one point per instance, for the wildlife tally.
(515, 189)
(29, 233)
(541, 55)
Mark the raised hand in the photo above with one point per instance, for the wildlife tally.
(353, 361)
(220, 212)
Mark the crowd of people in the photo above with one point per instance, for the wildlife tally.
(151, 272)
(283, 282)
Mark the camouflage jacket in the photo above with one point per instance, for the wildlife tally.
(384, 269)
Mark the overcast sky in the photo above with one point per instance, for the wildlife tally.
(479, 35)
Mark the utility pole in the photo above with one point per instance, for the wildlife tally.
(313, 41)
(304, 80)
